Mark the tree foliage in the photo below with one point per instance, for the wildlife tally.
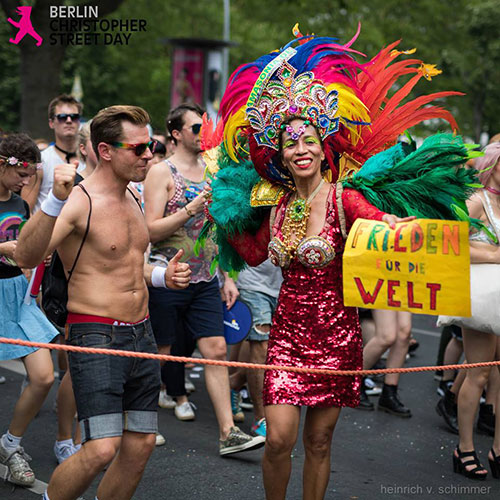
(461, 36)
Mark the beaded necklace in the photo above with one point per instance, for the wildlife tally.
(295, 223)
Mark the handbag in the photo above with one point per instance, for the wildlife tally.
(484, 296)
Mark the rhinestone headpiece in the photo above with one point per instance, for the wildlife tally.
(279, 94)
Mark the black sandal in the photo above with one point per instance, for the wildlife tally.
(460, 467)
(495, 465)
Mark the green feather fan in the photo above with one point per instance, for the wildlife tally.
(230, 208)
(426, 182)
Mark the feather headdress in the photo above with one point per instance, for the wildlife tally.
(358, 116)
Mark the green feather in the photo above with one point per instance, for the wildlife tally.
(214, 264)
(426, 182)
(230, 208)
(202, 237)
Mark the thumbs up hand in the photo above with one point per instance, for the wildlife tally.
(178, 274)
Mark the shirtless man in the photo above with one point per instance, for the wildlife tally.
(108, 304)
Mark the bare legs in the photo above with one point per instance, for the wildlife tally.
(217, 380)
(41, 377)
(282, 431)
(66, 410)
(393, 330)
(74, 475)
(478, 347)
(318, 431)
(258, 352)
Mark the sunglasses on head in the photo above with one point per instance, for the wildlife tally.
(137, 148)
(62, 117)
(195, 128)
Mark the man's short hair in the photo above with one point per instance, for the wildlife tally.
(175, 119)
(63, 99)
(107, 126)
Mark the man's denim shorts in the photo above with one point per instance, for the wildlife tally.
(114, 393)
(262, 307)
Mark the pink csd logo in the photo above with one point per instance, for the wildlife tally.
(25, 26)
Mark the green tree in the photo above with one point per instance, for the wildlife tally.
(40, 67)
(460, 36)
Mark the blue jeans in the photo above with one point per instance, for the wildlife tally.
(114, 393)
(262, 307)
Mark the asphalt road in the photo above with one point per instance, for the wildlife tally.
(375, 455)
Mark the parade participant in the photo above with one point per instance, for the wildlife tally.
(480, 346)
(99, 224)
(392, 331)
(175, 194)
(20, 319)
(294, 124)
(64, 119)
(329, 332)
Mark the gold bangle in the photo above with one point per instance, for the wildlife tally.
(191, 214)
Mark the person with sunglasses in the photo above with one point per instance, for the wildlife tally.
(174, 199)
(100, 225)
(64, 119)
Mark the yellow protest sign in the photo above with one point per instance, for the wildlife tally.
(422, 266)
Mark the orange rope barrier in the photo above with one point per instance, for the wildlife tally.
(238, 364)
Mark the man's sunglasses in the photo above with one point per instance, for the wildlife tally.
(195, 128)
(137, 148)
(62, 117)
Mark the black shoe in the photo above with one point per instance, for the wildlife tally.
(459, 465)
(414, 345)
(494, 465)
(443, 386)
(390, 403)
(486, 419)
(447, 408)
(364, 402)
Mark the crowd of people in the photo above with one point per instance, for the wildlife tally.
(123, 207)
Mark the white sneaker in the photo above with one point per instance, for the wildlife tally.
(185, 411)
(189, 386)
(2, 380)
(63, 451)
(166, 401)
(160, 440)
(371, 388)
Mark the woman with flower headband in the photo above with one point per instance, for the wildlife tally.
(294, 123)
(20, 319)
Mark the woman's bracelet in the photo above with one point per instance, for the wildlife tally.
(52, 206)
(158, 277)
(189, 212)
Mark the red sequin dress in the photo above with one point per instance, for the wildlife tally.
(311, 327)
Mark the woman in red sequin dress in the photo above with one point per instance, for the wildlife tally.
(311, 328)
(289, 117)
